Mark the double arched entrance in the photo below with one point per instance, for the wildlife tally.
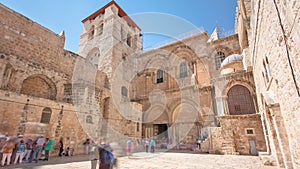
(171, 125)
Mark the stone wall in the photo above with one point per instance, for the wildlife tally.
(21, 114)
(275, 58)
(38, 43)
(234, 136)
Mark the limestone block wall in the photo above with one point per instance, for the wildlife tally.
(22, 76)
(233, 136)
(211, 143)
(34, 42)
(278, 51)
(19, 116)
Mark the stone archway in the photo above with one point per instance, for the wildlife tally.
(247, 85)
(156, 124)
(183, 123)
(39, 86)
(240, 101)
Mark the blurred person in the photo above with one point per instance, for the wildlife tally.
(34, 152)
(2, 142)
(39, 147)
(94, 155)
(7, 150)
(117, 151)
(87, 146)
(48, 148)
(61, 147)
(146, 145)
(28, 149)
(20, 147)
(152, 145)
(129, 147)
(106, 158)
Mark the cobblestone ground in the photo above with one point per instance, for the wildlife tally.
(154, 161)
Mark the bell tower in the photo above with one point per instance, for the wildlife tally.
(108, 37)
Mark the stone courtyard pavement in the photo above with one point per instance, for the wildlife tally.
(154, 161)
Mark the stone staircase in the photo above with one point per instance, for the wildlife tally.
(228, 148)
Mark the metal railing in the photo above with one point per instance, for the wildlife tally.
(176, 38)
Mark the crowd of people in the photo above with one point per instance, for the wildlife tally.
(16, 150)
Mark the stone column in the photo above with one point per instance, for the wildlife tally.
(255, 103)
(226, 107)
(171, 134)
(219, 104)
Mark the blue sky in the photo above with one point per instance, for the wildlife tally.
(58, 15)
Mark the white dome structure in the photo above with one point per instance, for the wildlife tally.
(232, 58)
(231, 64)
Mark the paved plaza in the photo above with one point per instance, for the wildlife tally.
(155, 161)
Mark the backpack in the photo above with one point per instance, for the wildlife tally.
(21, 148)
(29, 146)
(106, 156)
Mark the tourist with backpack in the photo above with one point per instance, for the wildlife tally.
(28, 149)
(106, 158)
(20, 151)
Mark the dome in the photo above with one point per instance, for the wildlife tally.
(232, 58)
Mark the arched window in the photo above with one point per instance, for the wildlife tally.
(219, 57)
(91, 32)
(240, 101)
(124, 91)
(94, 59)
(183, 70)
(123, 34)
(89, 119)
(160, 76)
(46, 115)
(129, 39)
(100, 29)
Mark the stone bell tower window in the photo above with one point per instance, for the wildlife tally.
(183, 70)
(160, 76)
(92, 32)
(219, 57)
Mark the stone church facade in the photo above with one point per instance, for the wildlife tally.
(204, 86)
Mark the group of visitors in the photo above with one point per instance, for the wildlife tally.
(146, 144)
(15, 150)
(69, 151)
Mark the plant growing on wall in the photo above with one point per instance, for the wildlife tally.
(247, 22)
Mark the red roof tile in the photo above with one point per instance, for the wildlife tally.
(121, 14)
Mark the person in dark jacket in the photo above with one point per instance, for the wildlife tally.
(106, 158)
(61, 147)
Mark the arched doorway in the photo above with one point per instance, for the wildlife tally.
(156, 125)
(184, 120)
